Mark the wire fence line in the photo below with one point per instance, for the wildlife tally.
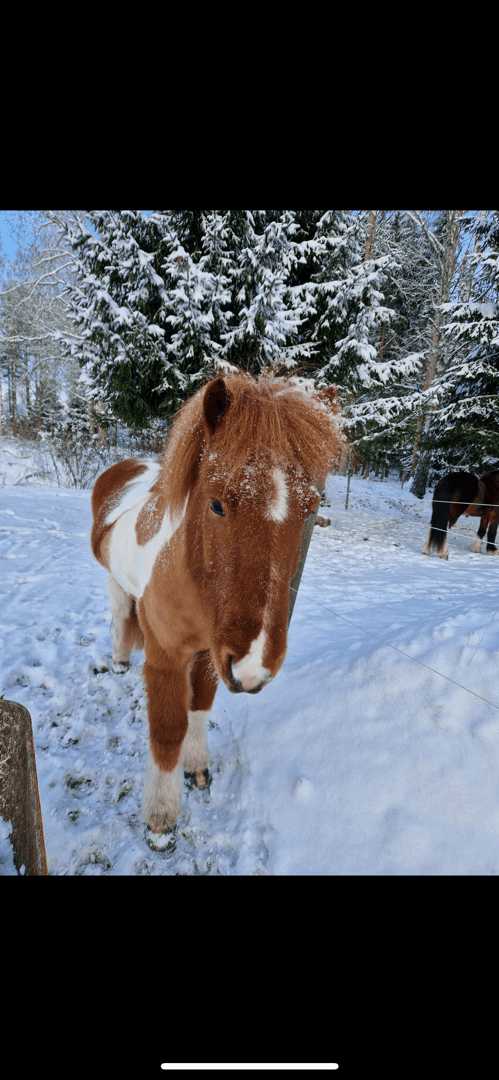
(456, 502)
(436, 528)
(336, 614)
(401, 651)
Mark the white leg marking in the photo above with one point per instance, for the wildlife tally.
(195, 754)
(250, 671)
(121, 606)
(161, 797)
(278, 506)
(477, 545)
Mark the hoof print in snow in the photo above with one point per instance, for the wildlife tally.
(199, 780)
(165, 842)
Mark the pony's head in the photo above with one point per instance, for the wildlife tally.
(251, 455)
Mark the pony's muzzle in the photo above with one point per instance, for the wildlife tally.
(247, 683)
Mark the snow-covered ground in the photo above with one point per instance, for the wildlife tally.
(357, 759)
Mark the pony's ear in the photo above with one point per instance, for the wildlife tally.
(216, 403)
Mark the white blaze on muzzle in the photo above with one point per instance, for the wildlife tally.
(250, 671)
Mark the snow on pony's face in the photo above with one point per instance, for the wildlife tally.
(253, 514)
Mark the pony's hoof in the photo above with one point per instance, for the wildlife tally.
(164, 842)
(496, 552)
(121, 666)
(446, 557)
(200, 779)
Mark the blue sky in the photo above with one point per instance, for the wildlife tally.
(8, 246)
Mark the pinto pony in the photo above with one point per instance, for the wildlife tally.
(201, 548)
(464, 493)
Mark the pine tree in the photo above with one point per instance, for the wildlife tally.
(116, 310)
(446, 240)
(386, 411)
(464, 431)
(138, 312)
(188, 311)
(217, 260)
(241, 342)
(267, 321)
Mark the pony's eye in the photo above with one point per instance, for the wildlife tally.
(217, 508)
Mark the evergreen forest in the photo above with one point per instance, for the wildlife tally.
(111, 319)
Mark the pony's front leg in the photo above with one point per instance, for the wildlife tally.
(195, 753)
(168, 694)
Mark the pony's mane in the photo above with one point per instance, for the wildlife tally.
(268, 418)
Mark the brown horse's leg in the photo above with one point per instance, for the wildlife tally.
(491, 535)
(195, 753)
(167, 689)
(484, 521)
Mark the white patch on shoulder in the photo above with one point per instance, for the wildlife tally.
(130, 563)
(278, 505)
(135, 490)
(250, 671)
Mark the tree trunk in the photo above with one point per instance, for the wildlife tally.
(382, 344)
(418, 487)
(371, 233)
(26, 387)
(13, 396)
(447, 267)
(467, 290)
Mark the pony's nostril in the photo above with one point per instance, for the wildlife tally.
(233, 684)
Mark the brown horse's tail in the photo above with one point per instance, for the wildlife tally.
(440, 516)
(452, 495)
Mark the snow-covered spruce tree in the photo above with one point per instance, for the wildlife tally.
(217, 260)
(188, 312)
(387, 414)
(114, 306)
(126, 316)
(266, 319)
(241, 343)
(260, 315)
(343, 290)
(444, 231)
(464, 432)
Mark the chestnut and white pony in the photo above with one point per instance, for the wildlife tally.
(201, 548)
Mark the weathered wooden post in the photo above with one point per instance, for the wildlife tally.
(305, 543)
(19, 798)
(348, 481)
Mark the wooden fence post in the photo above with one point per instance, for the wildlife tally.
(305, 543)
(348, 482)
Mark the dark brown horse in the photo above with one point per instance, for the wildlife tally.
(464, 493)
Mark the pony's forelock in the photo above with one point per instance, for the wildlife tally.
(269, 420)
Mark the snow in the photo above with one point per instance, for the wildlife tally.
(7, 868)
(375, 751)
